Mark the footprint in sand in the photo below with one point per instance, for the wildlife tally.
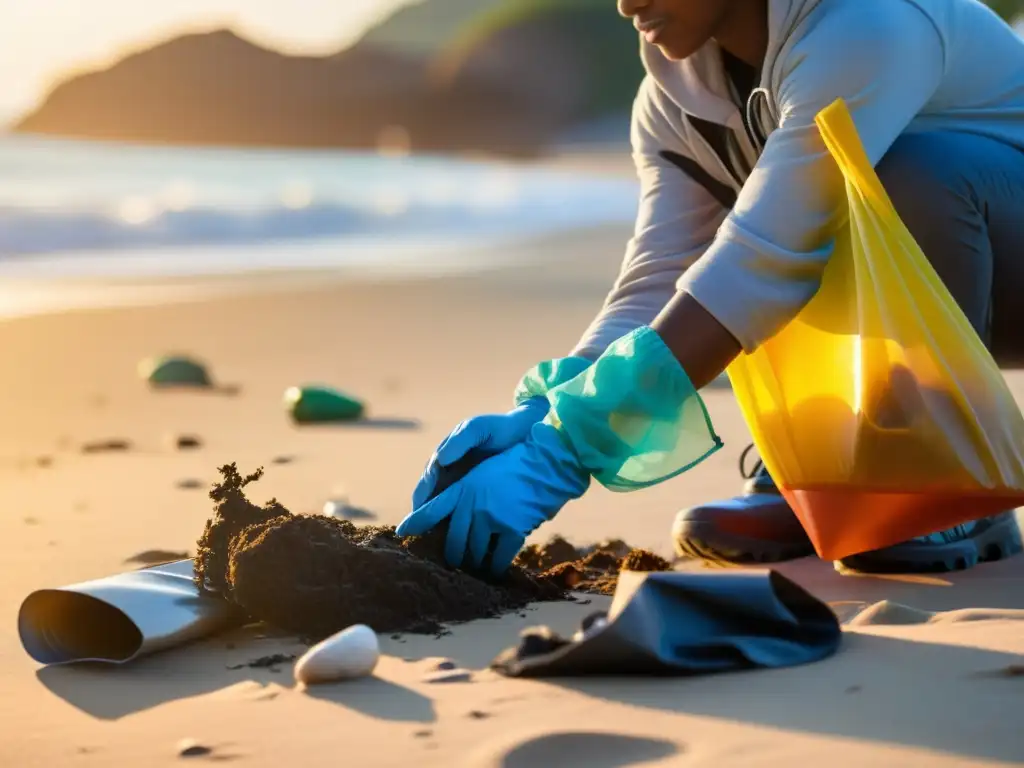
(595, 750)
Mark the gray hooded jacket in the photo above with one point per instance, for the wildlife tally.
(748, 235)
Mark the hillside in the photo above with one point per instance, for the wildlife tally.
(496, 76)
(425, 27)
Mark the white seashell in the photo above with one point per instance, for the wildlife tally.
(349, 654)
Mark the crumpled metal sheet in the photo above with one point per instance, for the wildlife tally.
(119, 618)
(679, 623)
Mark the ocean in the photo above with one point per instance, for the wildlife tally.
(77, 209)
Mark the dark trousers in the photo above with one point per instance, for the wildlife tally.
(962, 198)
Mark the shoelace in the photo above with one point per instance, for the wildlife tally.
(758, 465)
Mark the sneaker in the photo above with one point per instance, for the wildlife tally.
(960, 547)
(758, 527)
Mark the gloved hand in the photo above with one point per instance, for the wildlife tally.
(508, 496)
(486, 435)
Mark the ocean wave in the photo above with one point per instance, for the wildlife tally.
(60, 197)
(27, 232)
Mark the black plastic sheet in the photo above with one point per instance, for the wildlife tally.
(677, 623)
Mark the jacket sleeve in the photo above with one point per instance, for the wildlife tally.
(767, 260)
(676, 222)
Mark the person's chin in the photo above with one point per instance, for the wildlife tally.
(675, 52)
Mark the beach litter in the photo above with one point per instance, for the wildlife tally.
(192, 748)
(319, 404)
(120, 618)
(347, 655)
(175, 371)
(342, 510)
(667, 623)
(271, 662)
(449, 676)
(110, 445)
(187, 442)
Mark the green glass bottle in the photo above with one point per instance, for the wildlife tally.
(319, 404)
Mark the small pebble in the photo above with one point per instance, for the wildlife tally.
(449, 676)
(854, 689)
(445, 664)
(476, 714)
(282, 460)
(189, 484)
(266, 662)
(187, 442)
(423, 734)
(104, 446)
(341, 510)
(192, 748)
(44, 461)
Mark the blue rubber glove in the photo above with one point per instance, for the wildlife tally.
(508, 496)
(489, 435)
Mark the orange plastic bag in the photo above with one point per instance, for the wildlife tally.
(878, 411)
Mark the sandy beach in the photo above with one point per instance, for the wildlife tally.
(929, 672)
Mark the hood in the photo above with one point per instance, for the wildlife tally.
(698, 83)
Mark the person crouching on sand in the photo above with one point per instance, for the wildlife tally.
(732, 235)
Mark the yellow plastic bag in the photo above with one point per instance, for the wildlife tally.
(878, 411)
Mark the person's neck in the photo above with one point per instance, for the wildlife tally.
(744, 32)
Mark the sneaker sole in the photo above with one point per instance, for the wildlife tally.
(1001, 541)
(704, 541)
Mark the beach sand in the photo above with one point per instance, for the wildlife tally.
(908, 687)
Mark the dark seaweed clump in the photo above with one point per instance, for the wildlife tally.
(314, 575)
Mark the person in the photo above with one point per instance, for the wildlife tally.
(739, 207)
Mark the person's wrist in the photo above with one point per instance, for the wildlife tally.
(544, 377)
(559, 455)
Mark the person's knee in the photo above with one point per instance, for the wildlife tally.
(920, 175)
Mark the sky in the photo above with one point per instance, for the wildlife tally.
(42, 40)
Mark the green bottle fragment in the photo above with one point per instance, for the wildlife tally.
(315, 404)
(174, 371)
